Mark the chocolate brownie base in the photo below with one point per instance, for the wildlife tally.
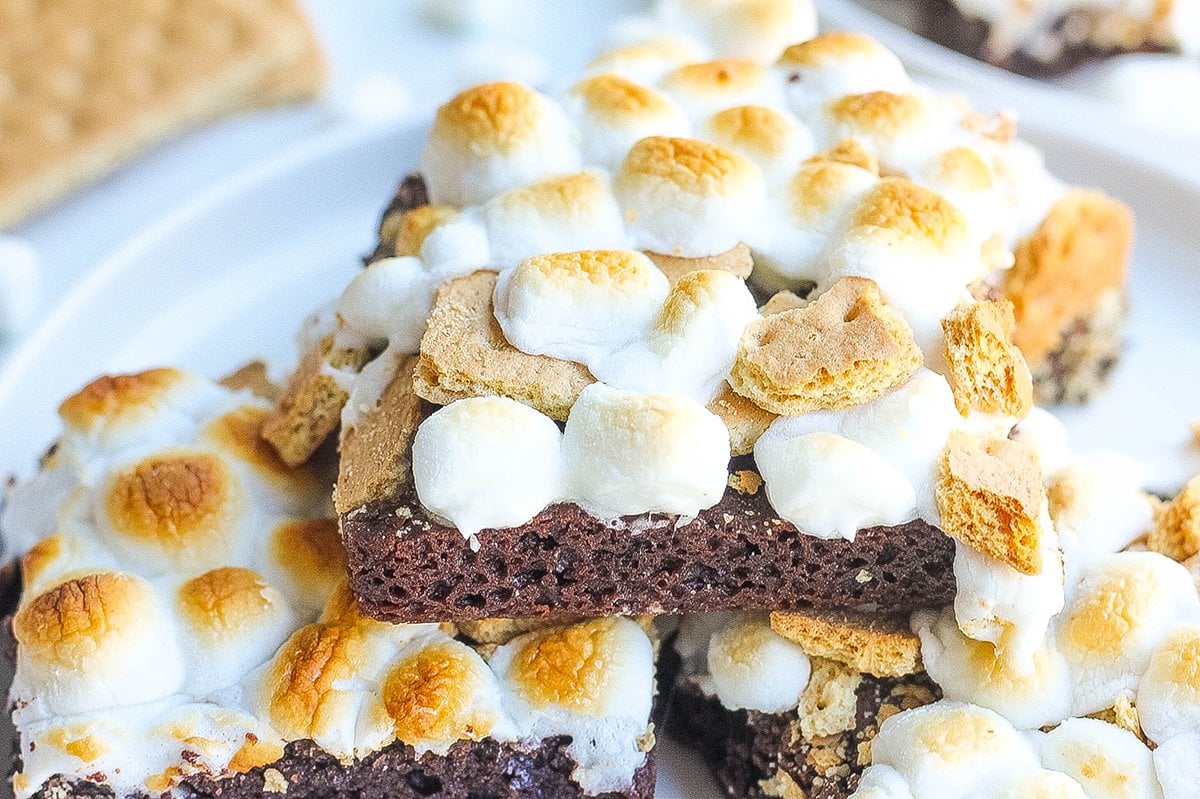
(1078, 368)
(756, 755)
(469, 770)
(943, 22)
(410, 194)
(405, 566)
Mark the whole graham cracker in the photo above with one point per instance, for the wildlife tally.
(86, 85)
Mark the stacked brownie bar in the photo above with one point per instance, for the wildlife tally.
(742, 340)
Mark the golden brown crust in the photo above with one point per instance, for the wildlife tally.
(428, 696)
(80, 618)
(691, 165)
(311, 552)
(495, 117)
(1176, 529)
(1080, 251)
(987, 372)
(868, 643)
(110, 395)
(736, 261)
(310, 407)
(567, 666)
(222, 600)
(850, 152)
(830, 46)
(376, 452)
(464, 354)
(303, 680)
(989, 495)
(846, 348)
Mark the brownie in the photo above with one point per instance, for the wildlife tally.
(748, 751)
(410, 194)
(406, 566)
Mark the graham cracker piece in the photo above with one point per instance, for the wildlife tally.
(736, 260)
(745, 420)
(745, 481)
(987, 372)
(1176, 529)
(846, 348)
(1080, 251)
(501, 631)
(877, 645)
(464, 354)
(782, 301)
(989, 495)
(305, 76)
(88, 85)
(829, 703)
(310, 407)
(252, 377)
(376, 453)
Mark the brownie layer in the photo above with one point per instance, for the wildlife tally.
(469, 770)
(1078, 368)
(943, 22)
(410, 194)
(406, 566)
(755, 755)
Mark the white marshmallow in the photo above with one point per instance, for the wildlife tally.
(755, 668)
(755, 29)
(1108, 761)
(487, 462)
(1100, 506)
(613, 113)
(882, 782)
(388, 302)
(772, 138)
(704, 88)
(830, 486)
(457, 247)
(1177, 767)
(628, 453)
(578, 306)
(1042, 431)
(838, 64)
(1168, 697)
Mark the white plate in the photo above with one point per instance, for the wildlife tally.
(230, 277)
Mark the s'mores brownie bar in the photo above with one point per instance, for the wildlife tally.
(1082, 680)
(1041, 38)
(185, 628)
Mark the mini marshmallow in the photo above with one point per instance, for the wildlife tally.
(60, 557)
(1046, 436)
(755, 668)
(829, 486)
(493, 137)
(1119, 612)
(1177, 767)
(952, 750)
(704, 88)
(1041, 784)
(771, 138)
(754, 29)
(881, 782)
(613, 113)
(389, 301)
(1168, 697)
(692, 345)
(97, 641)
(1108, 761)
(579, 305)
(487, 462)
(456, 247)
(1098, 506)
(970, 671)
(592, 681)
(837, 64)
(628, 453)
(686, 197)
(566, 213)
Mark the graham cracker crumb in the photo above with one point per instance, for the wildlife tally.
(987, 373)
(745, 482)
(736, 261)
(880, 646)
(1176, 529)
(783, 301)
(274, 781)
(846, 348)
(782, 786)
(464, 354)
(829, 703)
(989, 494)
(1124, 714)
(745, 420)
(501, 631)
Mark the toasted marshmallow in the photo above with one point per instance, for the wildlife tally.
(1108, 761)
(437, 691)
(458, 247)
(1010, 610)
(613, 113)
(1177, 767)
(579, 305)
(487, 462)
(882, 782)
(1041, 784)
(837, 64)
(55, 559)
(915, 245)
(1119, 613)
(647, 54)
(233, 621)
(389, 302)
(176, 509)
(702, 89)
(952, 750)
(755, 668)
(592, 681)
(692, 344)
(93, 642)
(33, 509)
(754, 29)
(771, 138)
(1168, 697)
(830, 486)
(1098, 506)
(902, 130)
(306, 559)
(494, 137)
(970, 671)
(1041, 431)
(627, 453)
(688, 198)
(802, 218)
(566, 213)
